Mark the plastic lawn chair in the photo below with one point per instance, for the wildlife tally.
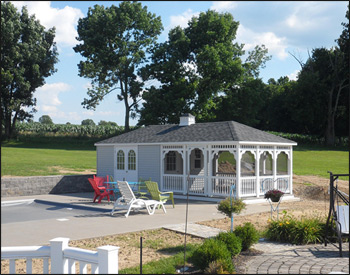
(100, 191)
(142, 190)
(129, 202)
(157, 195)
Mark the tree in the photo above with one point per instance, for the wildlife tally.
(28, 55)
(115, 43)
(196, 67)
(88, 122)
(45, 119)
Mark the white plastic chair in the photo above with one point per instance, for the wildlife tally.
(343, 218)
(129, 201)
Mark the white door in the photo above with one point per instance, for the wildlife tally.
(126, 163)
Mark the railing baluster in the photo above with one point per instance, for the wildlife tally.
(45, 265)
(71, 266)
(29, 265)
(82, 267)
(12, 266)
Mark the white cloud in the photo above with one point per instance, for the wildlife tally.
(222, 6)
(182, 19)
(65, 20)
(293, 75)
(308, 16)
(275, 45)
(48, 94)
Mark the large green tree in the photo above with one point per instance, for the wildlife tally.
(28, 55)
(115, 41)
(196, 67)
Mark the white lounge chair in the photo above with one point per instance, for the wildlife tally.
(343, 219)
(129, 201)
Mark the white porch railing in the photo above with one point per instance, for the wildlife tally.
(221, 185)
(63, 258)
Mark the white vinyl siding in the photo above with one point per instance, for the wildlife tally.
(149, 162)
(105, 160)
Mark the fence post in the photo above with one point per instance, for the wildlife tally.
(108, 259)
(59, 265)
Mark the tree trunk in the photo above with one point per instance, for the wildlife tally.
(330, 135)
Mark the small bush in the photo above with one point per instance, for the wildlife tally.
(212, 250)
(217, 267)
(227, 207)
(290, 230)
(248, 234)
(233, 243)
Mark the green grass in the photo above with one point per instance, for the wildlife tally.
(42, 162)
(42, 156)
(317, 161)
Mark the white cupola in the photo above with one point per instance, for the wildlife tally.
(187, 120)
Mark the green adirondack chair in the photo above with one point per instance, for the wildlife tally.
(157, 195)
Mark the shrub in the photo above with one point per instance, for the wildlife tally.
(248, 234)
(217, 267)
(227, 207)
(290, 230)
(212, 250)
(233, 243)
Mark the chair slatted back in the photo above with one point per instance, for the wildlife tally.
(152, 187)
(343, 218)
(94, 185)
(126, 191)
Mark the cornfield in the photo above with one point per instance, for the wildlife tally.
(69, 129)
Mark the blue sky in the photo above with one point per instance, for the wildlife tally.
(284, 27)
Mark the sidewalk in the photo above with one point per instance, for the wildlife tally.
(39, 232)
(276, 259)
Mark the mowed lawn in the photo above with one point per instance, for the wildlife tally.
(21, 161)
(42, 162)
(318, 161)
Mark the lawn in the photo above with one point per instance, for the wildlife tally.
(317, 161)
(52, 156)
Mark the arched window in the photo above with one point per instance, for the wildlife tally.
(282, 164)
(131, 160)
(120, 160)
(266, 164)
(248, 164)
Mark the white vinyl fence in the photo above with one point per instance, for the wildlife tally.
(63, 258)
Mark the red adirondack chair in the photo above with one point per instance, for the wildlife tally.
(100, 191)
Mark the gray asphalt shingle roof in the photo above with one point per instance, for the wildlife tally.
(199, 132)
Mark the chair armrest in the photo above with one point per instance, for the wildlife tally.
(162, 193)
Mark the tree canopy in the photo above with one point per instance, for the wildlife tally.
(196, 67)
(115, 41)
(45, 119)
(28, 56)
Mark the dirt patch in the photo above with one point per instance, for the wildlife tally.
(313, 193)
(67, 171)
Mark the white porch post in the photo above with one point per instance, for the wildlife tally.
(274, 168)
(291, 170)
(185, 167)
(206, 164)
(257, 170)
(238, 170)
(162, 155)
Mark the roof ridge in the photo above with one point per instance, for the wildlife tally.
(232, 130)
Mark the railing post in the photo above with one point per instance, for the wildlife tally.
(59, 265)
(108, 259)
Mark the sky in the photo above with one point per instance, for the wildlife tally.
(286, 28)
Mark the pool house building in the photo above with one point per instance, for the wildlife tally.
(205, 159)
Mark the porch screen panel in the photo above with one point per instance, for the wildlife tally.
(282, 164)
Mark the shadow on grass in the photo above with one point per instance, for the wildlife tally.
(53, 142)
